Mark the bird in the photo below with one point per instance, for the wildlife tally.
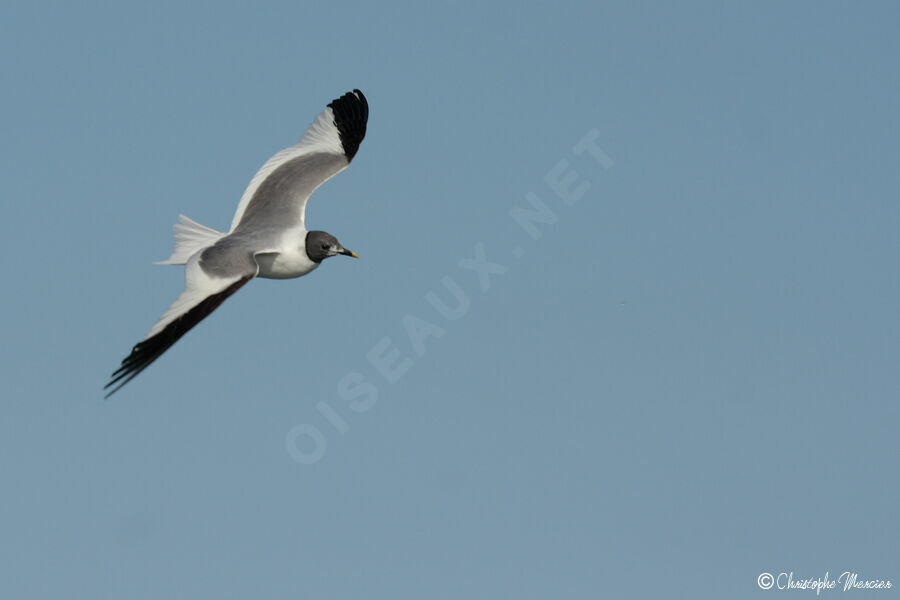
(268, 236)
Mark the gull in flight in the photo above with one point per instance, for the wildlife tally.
(268, 235)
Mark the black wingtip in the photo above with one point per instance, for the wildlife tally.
(145, 352)
(351, 113)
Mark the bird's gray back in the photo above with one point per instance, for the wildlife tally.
(233, 255)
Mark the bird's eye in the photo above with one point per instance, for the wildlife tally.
(325, 246)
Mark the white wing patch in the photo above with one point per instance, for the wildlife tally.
(198, 286)
(321, 136)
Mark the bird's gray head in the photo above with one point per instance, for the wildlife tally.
(321, 245)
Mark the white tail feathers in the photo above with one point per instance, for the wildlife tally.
(190, 236)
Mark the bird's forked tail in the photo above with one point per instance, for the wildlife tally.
(190, 236)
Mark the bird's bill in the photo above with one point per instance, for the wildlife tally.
(346, 252)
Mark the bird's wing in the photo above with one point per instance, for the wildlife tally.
(211, 277)
(278, 192)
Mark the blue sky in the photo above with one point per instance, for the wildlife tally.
(689, 378)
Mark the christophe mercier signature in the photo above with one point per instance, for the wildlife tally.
(847, 581)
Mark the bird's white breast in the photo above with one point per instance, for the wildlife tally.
(288, 261)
